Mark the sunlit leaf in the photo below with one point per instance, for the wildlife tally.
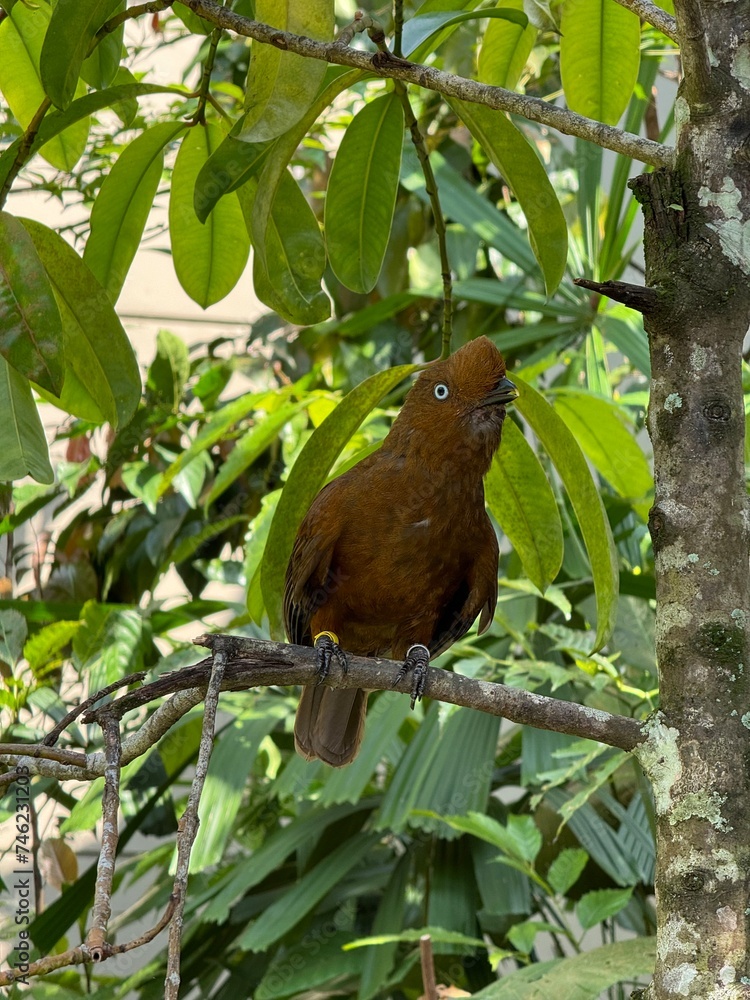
(601, 903)
(422, 27)
(362, 193)
(72, 28)
(23, 446)
(505, 49)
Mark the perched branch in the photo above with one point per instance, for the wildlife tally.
(54, 734)
(654, 15)
(105, 870)
(638, 297)
(644, 150)
(189, 825)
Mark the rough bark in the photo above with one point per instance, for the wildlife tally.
(697, 219)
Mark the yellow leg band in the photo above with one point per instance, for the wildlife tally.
(331, 635)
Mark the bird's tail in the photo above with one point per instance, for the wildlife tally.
(330, 724)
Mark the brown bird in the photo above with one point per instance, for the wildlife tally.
(398, 556)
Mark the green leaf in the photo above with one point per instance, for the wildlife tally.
(414, 934)
(251, 445)
(23, 446)
(571, 466)
(566, 869)
(169, 372)
(21, 39)
(522, 501)
(523, 935)
(297, 902)
(231, 165)
(100, 68)
(520, 839)
(600, 427)
(209, 259)
(419, 29)
(362, 193)
(71, 30)
(13, 632)
(519, 164)
(390, 916)
(102, 380)
(281, 86)
(45, 645)
(290, 256)
(297, 970)
(624, 328)
(123, 204)
(307, 476)
(505, 49)
(599, 57)
(30, 326)
(600, 904)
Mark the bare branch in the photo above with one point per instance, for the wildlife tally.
(189, 825)
(54, 734)
(385, 65)
(154, 7)
(105, 870)
(694, 50)
(654, 15)
(638, 297)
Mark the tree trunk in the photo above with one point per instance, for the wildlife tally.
(697, 756)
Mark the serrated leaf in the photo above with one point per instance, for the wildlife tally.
(307, 476)
(505, 49)
(102, 380)
(22, 36)
(281, 86)
(599, 57)
(523, 935)
(209, 259)
(23, 446)
(600, 904)
(571, 466)
(122, 207)
(45, 644)
(520, 839)
(72, 28)
(521, 499)
(30, 326)
(519, 164)
(362, 190)
(566, 869)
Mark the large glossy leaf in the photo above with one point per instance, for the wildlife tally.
(602, 432)
(422, 27)
(30, 325)
(23, 447)
(100, 68)
(281, 86)
(362, 193)
(21, 39)
(290, 257)
(522, 169)
(582, 977)
(282, 915)
(307, 476)
(72, 28)
(123, 204)
(231, 165)
(505, 49)
(571, 466)
(102, 380)
(522, 501)
(209, 259)
(599, 57)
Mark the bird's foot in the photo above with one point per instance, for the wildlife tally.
(326, 647)
(417, 660)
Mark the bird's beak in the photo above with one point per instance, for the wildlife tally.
(504, 392)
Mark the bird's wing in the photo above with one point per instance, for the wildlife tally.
(308, 567)
(475, 595)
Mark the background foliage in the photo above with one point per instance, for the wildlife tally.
(510, 844)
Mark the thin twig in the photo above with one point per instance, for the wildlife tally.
(643, 150)
(428, 968)
(54, 734)
(398, 26)
(35, 845)
(155, 7)
(199, 118)
(189, 823)
(639, 297)
(105, 870)
(654, 16)
(42, 752)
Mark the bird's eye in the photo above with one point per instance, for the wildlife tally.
(441, 391)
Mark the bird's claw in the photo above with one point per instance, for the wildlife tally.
(417, 660)
(326, 649)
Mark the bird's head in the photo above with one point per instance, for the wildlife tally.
(461, 401)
